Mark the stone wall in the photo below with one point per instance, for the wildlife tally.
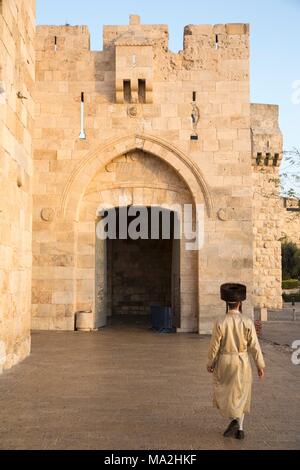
(17, 70)
(198, 139)
(268, 220)
(148, 280)
(291, 220)
(208, 80)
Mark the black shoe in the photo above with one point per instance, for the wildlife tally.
(239, 434)
(231, 428)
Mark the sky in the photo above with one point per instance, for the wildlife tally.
(275, 38)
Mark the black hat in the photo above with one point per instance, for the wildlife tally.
(233, 292)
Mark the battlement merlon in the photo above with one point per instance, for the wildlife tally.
(157, 34)
(63, 38)
(265, 117)
(217, 36)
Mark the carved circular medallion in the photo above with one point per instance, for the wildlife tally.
(222, 215)
(133, 111)
(47, 214)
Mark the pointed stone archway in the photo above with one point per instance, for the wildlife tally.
(78, 210)
(101, 156)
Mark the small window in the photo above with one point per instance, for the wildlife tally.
(268, 158)
(142, 91)
(276, 159)
(127, 91)
(259, 158)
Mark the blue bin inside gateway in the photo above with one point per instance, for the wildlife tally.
(161, 318)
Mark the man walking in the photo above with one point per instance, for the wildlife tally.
(233, 338)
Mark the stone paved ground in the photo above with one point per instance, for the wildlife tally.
(285, 314)
(134, 389)
(280, 332)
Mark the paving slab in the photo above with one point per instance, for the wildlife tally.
(282, 333)
(121, 389)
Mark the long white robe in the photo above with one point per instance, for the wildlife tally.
(233, 338)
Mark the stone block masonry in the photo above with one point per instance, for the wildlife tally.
(17, 78)
(138, 95)
(137, 123)
(268, 215)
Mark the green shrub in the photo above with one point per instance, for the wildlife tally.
(290, 284)
(290, 261)
(291, 297)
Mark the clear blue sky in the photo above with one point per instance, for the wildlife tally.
(275, 37)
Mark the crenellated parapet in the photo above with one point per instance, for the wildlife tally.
(266, 136)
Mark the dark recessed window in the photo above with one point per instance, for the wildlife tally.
(142, 91)
(127, 91)
(268, 158)
(259, 158)
(276, 159)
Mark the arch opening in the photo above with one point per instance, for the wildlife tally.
(139, 267)
(132, 181)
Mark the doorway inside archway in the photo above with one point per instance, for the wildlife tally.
(141, 272)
